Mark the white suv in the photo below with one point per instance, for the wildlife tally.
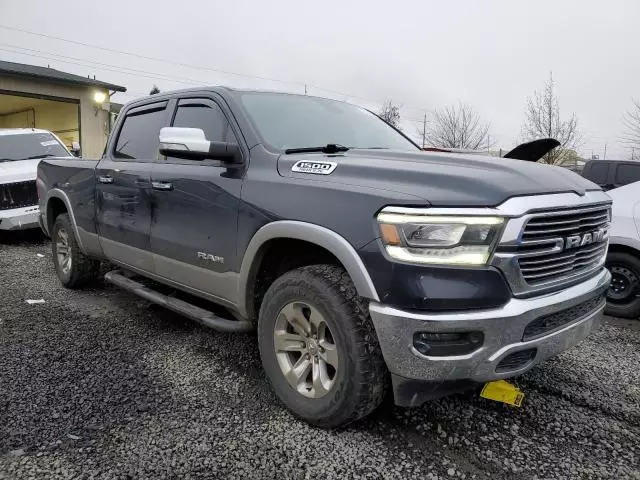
(623, 260)
(20, 152)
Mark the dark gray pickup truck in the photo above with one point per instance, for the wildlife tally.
(363, 262)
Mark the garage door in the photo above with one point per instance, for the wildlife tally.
(60, 117)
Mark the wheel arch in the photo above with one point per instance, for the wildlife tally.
(57, 202)
(624, 244)
(313, 234)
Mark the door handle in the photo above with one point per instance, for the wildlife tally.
(165, 186)
(105, 179)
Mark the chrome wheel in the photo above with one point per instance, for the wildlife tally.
(63, 251)
(305, 349)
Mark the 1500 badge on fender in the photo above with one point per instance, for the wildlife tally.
(318, 168)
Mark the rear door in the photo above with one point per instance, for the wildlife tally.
(123, 197)
(195, 207)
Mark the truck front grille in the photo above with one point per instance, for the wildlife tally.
(18, 195)
(545, 253)
(552, 225)
(553, 266)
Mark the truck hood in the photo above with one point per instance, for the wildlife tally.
(18, 171)
(441, 179)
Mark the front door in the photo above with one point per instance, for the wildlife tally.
(195, 209)
(123, 192)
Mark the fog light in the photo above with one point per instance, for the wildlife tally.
(447, 343)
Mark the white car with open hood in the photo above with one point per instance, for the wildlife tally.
(21, 149)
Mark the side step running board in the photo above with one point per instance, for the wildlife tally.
(200, 315)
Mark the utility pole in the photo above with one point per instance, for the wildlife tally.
(605, 151)
(305, 88)
(488, 143)
(424, 131)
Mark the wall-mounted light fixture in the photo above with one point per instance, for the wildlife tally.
(99, 97)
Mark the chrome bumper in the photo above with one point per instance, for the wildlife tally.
(20, 218)
(503, 330)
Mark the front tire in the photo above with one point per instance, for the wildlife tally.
(623, 296)
(319, 348)
(74, 268)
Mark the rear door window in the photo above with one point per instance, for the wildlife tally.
(598, 173)
(138, 137)
(627, 173)
(205, 115)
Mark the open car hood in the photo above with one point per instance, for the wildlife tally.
(534, 150)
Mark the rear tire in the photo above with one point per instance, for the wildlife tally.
(74, 268)
(623, 296)
(336, 373)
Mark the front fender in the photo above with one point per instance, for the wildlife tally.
(312, 233)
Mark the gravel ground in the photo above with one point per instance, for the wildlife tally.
(100, 384)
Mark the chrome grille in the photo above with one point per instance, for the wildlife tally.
(543, 257)
(549, 226)
(17, 195)
(541, 250)
(547, 267)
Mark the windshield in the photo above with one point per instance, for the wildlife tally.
(296, 121)
(24, 146)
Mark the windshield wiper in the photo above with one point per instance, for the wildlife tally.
(328, 148)
(44, 155)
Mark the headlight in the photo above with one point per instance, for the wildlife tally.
(439, 239)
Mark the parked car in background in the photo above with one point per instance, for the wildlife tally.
(610, 174)
(20, 152)
(623, 259)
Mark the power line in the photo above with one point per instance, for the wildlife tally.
(119, 69)
(197, 67)
(146, 57)
(83, 62)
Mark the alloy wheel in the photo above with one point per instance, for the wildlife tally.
(63, 251)
(305, 349)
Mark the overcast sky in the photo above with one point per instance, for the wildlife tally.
(421, 54)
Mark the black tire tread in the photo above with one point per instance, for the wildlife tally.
(372, 376)
(631, 309)
(84, 270)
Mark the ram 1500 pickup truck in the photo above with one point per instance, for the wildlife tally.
(363, 262)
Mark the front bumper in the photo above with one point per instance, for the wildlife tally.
(503, 329)
(20, 218)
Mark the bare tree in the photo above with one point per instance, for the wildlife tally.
(390, 113)
(543, 121)
(458, 126)
(631, 135)
(154, 90)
